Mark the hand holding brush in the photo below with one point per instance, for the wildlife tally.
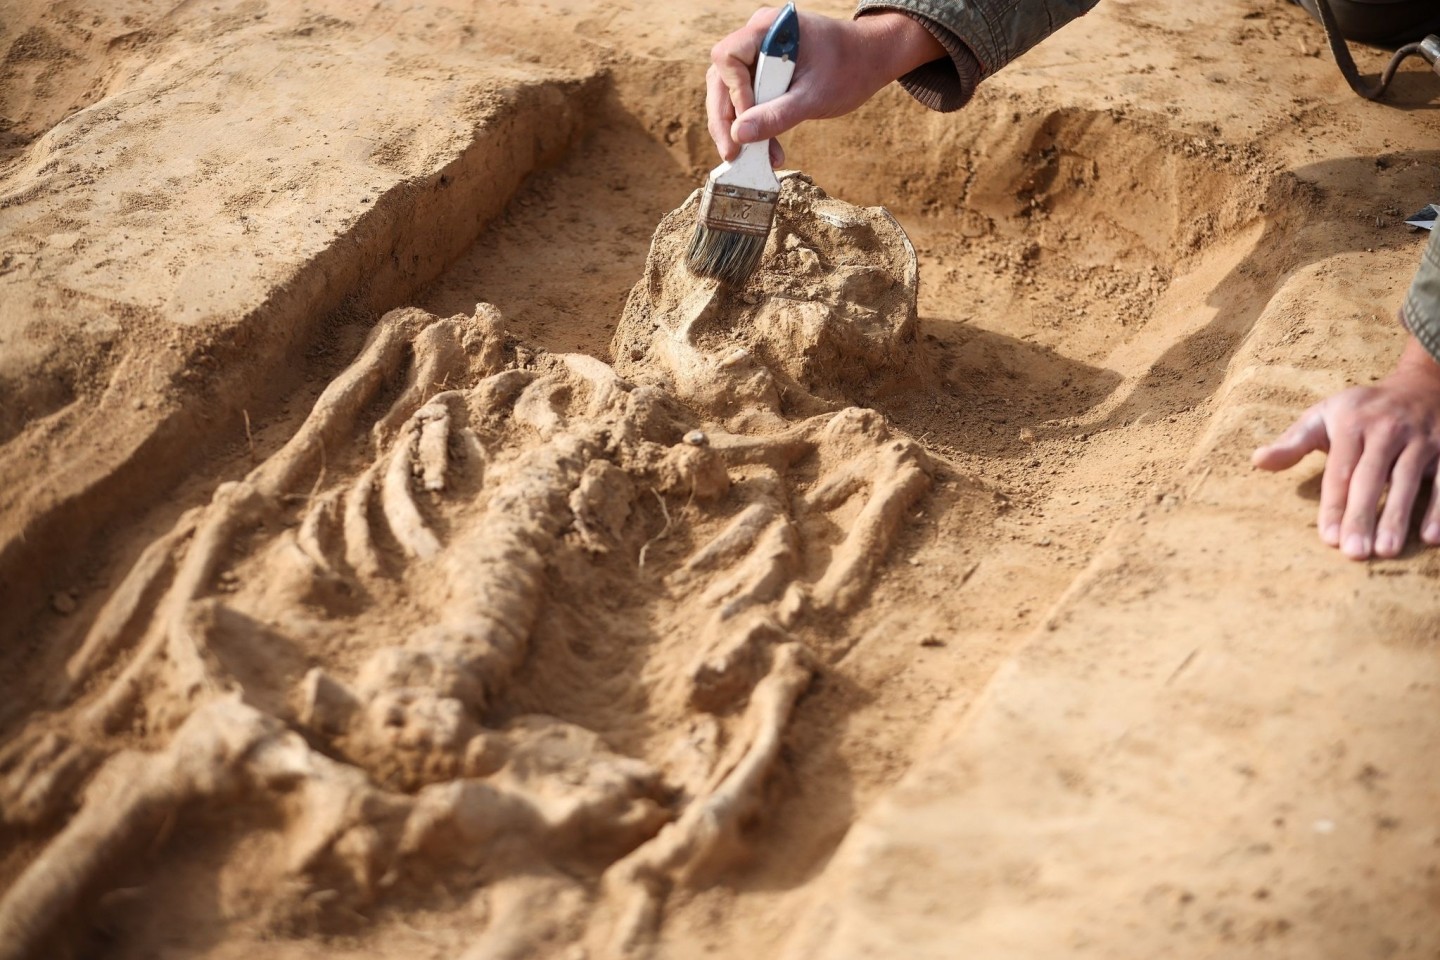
(845, 63)
(738, 205)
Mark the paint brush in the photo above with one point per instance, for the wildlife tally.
(738, 205)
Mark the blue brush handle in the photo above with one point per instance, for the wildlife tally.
(774, 68)
(783, 38)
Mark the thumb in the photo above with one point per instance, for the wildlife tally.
(1305, 435)
(770, 119)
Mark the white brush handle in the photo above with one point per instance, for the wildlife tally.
(752, 168)
(772, 77)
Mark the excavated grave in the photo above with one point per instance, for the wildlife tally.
(480, 544)
(500, 625)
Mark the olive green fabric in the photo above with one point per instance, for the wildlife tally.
(1421, 313)
(981, 36)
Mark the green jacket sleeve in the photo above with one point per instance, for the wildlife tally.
(1421, 312)
(981, 36)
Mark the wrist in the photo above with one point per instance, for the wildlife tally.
(1415, 360)
(896, 43)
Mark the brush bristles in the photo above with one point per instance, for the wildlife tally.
(727, 256)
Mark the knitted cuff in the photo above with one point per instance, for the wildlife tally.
(943, 85)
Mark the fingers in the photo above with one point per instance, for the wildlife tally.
(1362, 499)
(720, 114)
(1378, 438)
(733, 56)
(1358, 470)
(770, 119)
(1345, 450)
(1305, 435)
(1405, 480)
(1430, 526)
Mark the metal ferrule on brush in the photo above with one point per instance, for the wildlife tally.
(738, 209)
(738, 204)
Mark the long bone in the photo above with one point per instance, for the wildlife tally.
(120, 619)
(332, 419)
(708, 829)
(171, 633)
(225, 750)
(896, 472)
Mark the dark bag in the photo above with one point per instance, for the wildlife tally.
(1410, 25)
(1383, 23)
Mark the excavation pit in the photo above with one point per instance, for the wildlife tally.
(538, 613)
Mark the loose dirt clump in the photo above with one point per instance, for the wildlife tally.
(829, 315)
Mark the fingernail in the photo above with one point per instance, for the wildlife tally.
(1386, 546)
(1331, 535)
(1357, 545)
(1431, 533)
(744, 131)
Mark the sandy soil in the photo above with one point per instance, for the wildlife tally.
(400, 555)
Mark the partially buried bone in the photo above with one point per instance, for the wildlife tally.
(446, 526)
(559, 790)
(439, 360)
(707, 832)
(39, 774)
(223, 752)
(398, 502)
(210, 532)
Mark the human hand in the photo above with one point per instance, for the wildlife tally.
(842, 64)
(1385, 434)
